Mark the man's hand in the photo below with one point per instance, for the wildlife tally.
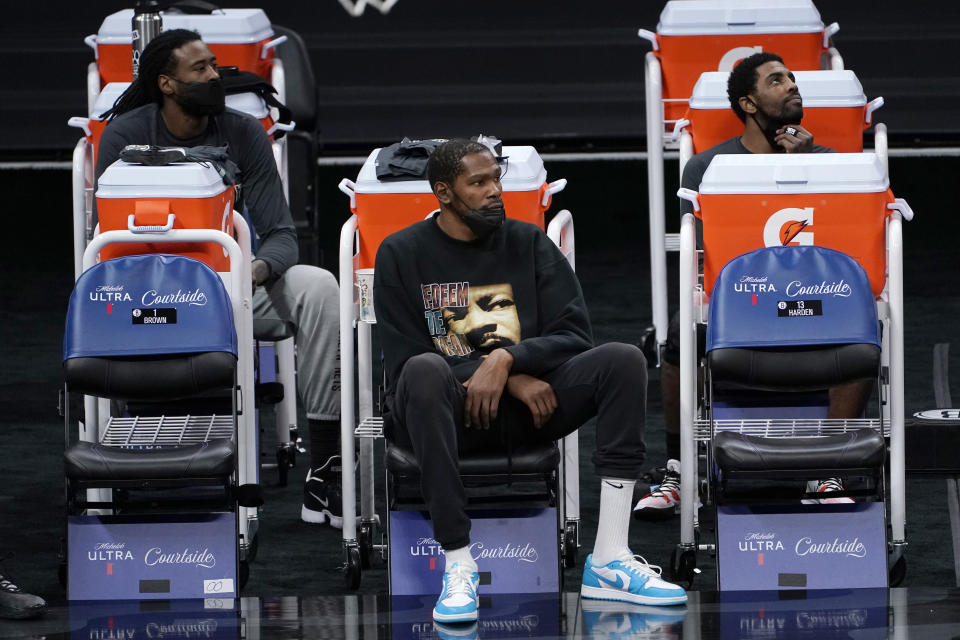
(794, 139)
(484, 389)
(536, 394)
(260, 272)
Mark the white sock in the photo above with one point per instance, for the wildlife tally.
(616, 496)
(461, 555)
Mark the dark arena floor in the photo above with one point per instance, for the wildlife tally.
(861, 614)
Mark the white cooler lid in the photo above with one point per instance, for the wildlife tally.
(525, 172)
(107, 96)
(225, 26)
(249, 102)
(818, 89)
(181, 180)
(795, 173)
(728, 17)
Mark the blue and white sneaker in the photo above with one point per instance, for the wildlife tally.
(458, 602)
(622, 621)
(456, 631)
(629, 579)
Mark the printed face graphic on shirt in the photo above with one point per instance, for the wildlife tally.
(471, 319)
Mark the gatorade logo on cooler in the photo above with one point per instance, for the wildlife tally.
(735, 55)
(789, 226)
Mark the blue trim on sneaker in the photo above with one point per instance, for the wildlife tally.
(615, 620)
(629, 579)
(458, 601)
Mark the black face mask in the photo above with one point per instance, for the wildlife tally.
(201, 98)
(482, 222)
(769, 132)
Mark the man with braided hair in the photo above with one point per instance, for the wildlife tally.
(178, 100)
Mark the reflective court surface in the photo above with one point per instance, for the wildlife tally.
(857, 613)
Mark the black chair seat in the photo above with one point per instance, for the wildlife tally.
(794, 369)
(151, 377)
(526, 459)
(87, 461)
(856, 449)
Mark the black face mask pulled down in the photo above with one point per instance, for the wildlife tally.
(770, 131)
(482, 222)
(201, 98)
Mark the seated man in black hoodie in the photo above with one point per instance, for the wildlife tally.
(484, 329)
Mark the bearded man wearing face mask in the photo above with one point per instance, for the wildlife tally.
(487, 344)
(764, 96)
(177, 100)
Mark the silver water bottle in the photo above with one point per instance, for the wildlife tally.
(147, 25)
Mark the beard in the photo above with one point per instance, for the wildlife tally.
(769, 122)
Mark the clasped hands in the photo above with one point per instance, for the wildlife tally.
(485, 388)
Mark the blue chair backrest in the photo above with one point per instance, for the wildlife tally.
(148, 305)
(792, 296)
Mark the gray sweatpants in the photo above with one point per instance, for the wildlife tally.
(304, 303)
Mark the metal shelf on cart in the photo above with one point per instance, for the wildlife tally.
(788, 427)
(369, 428)
(166, 431)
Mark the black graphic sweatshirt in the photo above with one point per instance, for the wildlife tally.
(514, 290)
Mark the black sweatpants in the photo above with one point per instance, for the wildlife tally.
(609, 381)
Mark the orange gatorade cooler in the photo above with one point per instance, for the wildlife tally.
(193, 193)
(384, 207)
(833, 200)
(835, 110)
(242, 38)
(693, 37)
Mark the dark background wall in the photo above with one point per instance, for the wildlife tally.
(560, 74)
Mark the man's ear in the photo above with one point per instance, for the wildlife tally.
(165, 84)
(747, 104)
(443, 193)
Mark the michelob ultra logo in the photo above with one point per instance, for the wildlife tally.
(789, 226)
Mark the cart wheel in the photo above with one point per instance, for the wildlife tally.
(244, 574)
(254, 547)
(365, 538)
(286, 460)
(352, 569)
(648, 345)
(898, 571)
(570, 545)
(683, 567)
(282, 467)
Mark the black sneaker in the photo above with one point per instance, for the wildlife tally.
(322, 497)
(152, 155)
(17, 605)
